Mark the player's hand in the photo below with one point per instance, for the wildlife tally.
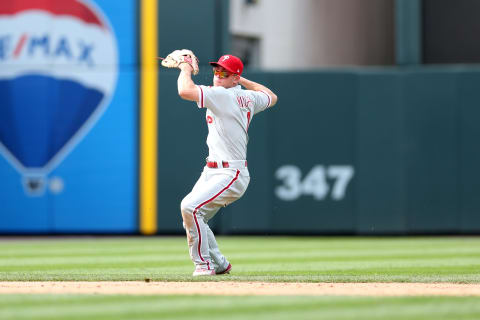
(185, 67)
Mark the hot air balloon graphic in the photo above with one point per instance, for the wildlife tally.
(58, 72)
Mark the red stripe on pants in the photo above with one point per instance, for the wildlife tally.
(201, 205)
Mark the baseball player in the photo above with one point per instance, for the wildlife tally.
(225, 177)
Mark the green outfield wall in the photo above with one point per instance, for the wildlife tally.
(362, 151)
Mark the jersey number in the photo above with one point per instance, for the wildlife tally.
(249, 114)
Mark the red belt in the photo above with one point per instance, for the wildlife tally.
(213, 164)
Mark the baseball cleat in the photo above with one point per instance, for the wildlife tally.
(203, 272)
(229, 268)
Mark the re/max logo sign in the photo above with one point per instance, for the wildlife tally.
(47, 47)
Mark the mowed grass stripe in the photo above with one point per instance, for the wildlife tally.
(380, 253)
(248, 245)
(273, 258)
(357, 242)
(380, 257)
(205, 307)
(75, 248)
(89, 260)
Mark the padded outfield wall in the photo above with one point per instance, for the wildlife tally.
(363, 151)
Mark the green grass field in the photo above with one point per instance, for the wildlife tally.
(286, 259)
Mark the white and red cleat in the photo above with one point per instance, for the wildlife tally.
(227, 270)
(203, 272)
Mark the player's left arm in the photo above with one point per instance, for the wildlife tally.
(187, 89)
(252, 85)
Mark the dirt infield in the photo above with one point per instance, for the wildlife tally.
(241, 288)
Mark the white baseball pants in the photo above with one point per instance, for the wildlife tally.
(216, 188)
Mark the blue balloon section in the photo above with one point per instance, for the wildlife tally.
(68, 139)
(39, 116)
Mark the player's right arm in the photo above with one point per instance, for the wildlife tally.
(187, 89)
(252, 85)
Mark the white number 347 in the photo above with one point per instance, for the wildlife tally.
(315, 183)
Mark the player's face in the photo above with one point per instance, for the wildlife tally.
(224, 78)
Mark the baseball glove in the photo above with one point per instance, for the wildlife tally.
(177, 57)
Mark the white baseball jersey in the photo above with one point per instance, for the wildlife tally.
(229, 113)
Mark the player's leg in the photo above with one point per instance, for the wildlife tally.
(220, 262)
(234, 190)
(198, 244)
(195, 228)
(197, 239)
(215, 189)
(198, 207)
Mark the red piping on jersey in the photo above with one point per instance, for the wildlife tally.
(269, 98)
(201, 205)
(201, 98)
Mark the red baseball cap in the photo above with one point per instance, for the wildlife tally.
(229, 62)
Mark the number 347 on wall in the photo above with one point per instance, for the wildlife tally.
(320, 182)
